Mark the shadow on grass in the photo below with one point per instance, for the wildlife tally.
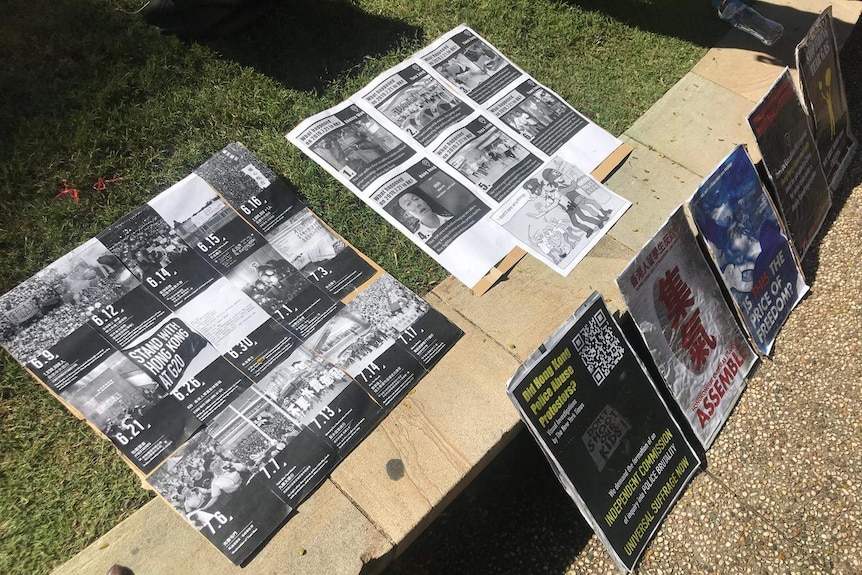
(307, 46)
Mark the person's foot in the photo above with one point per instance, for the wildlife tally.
(607, 212)
(589, 233)
(119, 570)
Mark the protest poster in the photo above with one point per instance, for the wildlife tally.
(688, 327)
(604, 428)
(559, 213)
(790, 157)
(233, 356)
(220, 496)
(824, 97)
(746, 242)
(476, 127)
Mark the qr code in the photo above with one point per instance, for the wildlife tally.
(600, 349)
(604, 435)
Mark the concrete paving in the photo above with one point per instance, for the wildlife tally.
(780, 494)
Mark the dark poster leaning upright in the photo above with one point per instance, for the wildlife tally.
(824, 97)
(607, 433)
(791, 160)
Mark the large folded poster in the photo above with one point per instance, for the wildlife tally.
(230, 345)
(747, 244)
(819, 65)
(437, 142)
(690, 331)
(601, 422)
(792, 162)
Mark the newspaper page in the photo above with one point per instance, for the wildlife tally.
(559, 213)
(824, 97)
(790, 157)
(747, 244)
(607, 433)
(688, 327)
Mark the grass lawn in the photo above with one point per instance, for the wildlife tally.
(88, 91)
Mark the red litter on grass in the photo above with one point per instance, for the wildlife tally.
(70, 191)
(101, 183)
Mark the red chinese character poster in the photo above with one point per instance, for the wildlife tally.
(677, 305)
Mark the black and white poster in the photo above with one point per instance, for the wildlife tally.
(353, 146)
(132, 410)
(470, 64)
(317, 395)
(165, 264)
(415, 102)
(600, 420)
(688, 327)
(284, 292)
(247, 184)
(206, 223)
(819, 65)
(323, 258)
(487, 157)
(221, 496)
(792, 162)
(432, 207)
(560, 213)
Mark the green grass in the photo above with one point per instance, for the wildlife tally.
(88, 91)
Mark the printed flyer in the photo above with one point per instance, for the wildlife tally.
(607, 433)
(691, 333)
(747, 244)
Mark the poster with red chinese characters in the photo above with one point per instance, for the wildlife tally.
(697, 345)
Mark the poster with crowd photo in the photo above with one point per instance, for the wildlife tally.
(220, 496)
(551, 125)
(690, 331)
(494, 162)
(289, 459)
(317, 395)
(601, 422)
(134, 411)
(470, 64)
(559, 213)
(61, 298)
(247, 184)
(791, 160)
(285, 293)
(199, 216)
(746, 242)
(367, 351)
(351, 145)
(415, 102)
(324, 258)
(153, 251)
(819, 65)
(415, 325)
